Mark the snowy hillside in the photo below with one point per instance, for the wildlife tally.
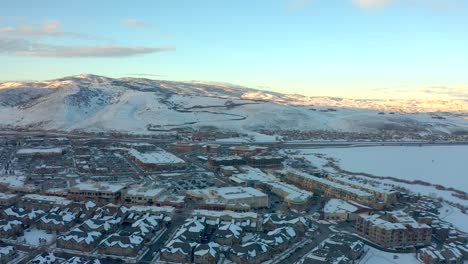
(96, 103)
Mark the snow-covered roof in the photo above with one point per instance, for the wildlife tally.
(235, 192)
(6, 250)
(7, 226)
(337, 206)
(32, 151)
(158, 156)
(144, 191)
(79, 236)
(290, 192)
(224, 214)
(95, 186)
(6, 196)
(335, 185)
(46, 198)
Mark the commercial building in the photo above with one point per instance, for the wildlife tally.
(246, 150)
(100, 192)
(142, 195)
(232, 195)
(336, 209)
(265, 161)
(40, 152)
(215, 162)
(182, 147)
(157, 160)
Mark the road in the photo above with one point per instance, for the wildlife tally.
(290, 144)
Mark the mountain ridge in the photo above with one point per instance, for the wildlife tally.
(99, 103)
(234, 91)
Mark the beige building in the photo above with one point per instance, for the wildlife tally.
(330, 188)
(233, 195)
(382, 193)
(142, 195)
(100, 192)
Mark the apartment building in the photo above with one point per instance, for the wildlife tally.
(393, 229)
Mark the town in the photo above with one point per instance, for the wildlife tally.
(99, 199)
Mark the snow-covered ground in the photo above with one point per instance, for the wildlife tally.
(375, 256)
(454, 216)
(444, 165)
(32, 236)
(96, 103)
(12, 180)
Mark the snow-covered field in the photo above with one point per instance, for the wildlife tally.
(454, 216)
(12, 181)
(444, 165)
(32, 236)
(96, 103)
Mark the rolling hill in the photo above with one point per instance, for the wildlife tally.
(132, 105)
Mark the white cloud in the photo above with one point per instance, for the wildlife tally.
(456, 91)
(50, 28)
(134, 22)
(22, 47)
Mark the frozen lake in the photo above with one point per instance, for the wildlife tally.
(444, 165)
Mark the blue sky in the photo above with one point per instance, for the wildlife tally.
(346, 48)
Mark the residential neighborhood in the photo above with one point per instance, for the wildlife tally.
(107, 200)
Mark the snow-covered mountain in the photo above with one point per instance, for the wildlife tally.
(97, 103)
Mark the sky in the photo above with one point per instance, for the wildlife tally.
(344, 48)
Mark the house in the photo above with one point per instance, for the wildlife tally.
(206, 253)
(7, 254)
(280, 238)
(448, 254)
(193, 230)
(45, 258)
(250, 253)
(121, 244)
(350, 246)
(325, 256)
(9, 228)
(24, 215)
(8, 199)
(177, 251)
(59, 220)
(102, 224)
(228, 234)
(246, 220)
(274, 221)
(78, 239)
